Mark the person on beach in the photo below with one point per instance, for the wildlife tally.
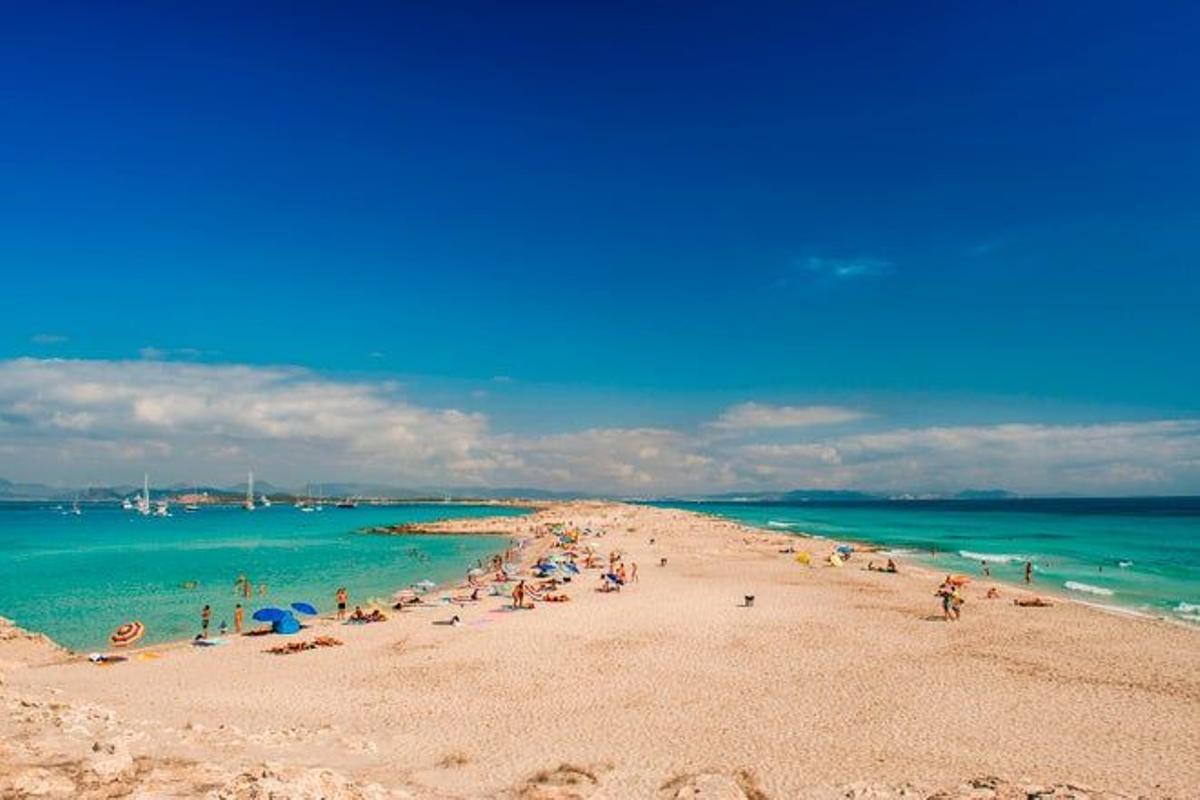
(238, 614)
(986, 572)
(633, 572)
(1029, 572)
(205, 618)
(948, 593)
(518, 595)
(262, 590)
(341, 597)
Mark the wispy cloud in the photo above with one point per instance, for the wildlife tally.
(754, 416)
(48, 338)
(163, 353)
(846, 268)
(73, 419)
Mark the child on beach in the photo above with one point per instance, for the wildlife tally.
(205, 618)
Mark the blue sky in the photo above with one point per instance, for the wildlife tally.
(637, 216)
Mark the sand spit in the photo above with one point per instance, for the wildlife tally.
(834, 683)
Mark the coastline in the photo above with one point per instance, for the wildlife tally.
(916, 559)
(835, 681)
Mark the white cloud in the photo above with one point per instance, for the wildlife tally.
(104, 421)
(847, 268)
(750, 416)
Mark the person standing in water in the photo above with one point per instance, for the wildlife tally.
(238, 614)
(1029, 572)
(986, 572)
(205, 618)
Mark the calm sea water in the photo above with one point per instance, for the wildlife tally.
(1141, 553)
(76, 578)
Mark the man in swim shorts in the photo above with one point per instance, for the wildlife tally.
(205, 618)
(341, 602)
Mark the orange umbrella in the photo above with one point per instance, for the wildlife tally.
(127, 634)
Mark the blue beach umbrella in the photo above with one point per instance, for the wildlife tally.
(270, 614)
(305, 608)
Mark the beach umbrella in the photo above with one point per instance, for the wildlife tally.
(127, 634)
(305, 608)
(845, 548)
(270, 614)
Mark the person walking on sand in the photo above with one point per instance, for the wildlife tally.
(341, 602)
(238, 614)
(633, 572)
(1029, 572)
(205, 618)
(518, 595)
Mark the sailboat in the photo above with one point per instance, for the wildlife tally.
(249, 503)
(143, 502)
(262, 498)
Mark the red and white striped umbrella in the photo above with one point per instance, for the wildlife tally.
(127, 634)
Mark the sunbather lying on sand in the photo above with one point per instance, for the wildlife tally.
(360, 618)
(1032, 602)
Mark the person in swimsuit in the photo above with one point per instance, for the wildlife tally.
(238, 613)
(1029, 572)
(205, 618)
(341, 602)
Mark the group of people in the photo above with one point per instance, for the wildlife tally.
(239, 618)
(952, 598)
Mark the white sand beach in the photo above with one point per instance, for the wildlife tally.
(835, 682)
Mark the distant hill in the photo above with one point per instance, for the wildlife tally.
(793, 496)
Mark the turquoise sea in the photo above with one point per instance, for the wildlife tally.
(76, 578)
(1139, 553)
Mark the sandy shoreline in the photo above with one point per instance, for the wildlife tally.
(835, 681)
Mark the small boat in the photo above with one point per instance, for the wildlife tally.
(262, 498)
(126, 504)
(191, 508)
(162, 509)
(349, 502)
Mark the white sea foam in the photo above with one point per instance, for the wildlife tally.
(1187, 608)
(774, 524)
(1076, 586)
(1124, 564)
(995, 558)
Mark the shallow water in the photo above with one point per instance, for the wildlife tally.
(1141, 553)
(76, 578)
